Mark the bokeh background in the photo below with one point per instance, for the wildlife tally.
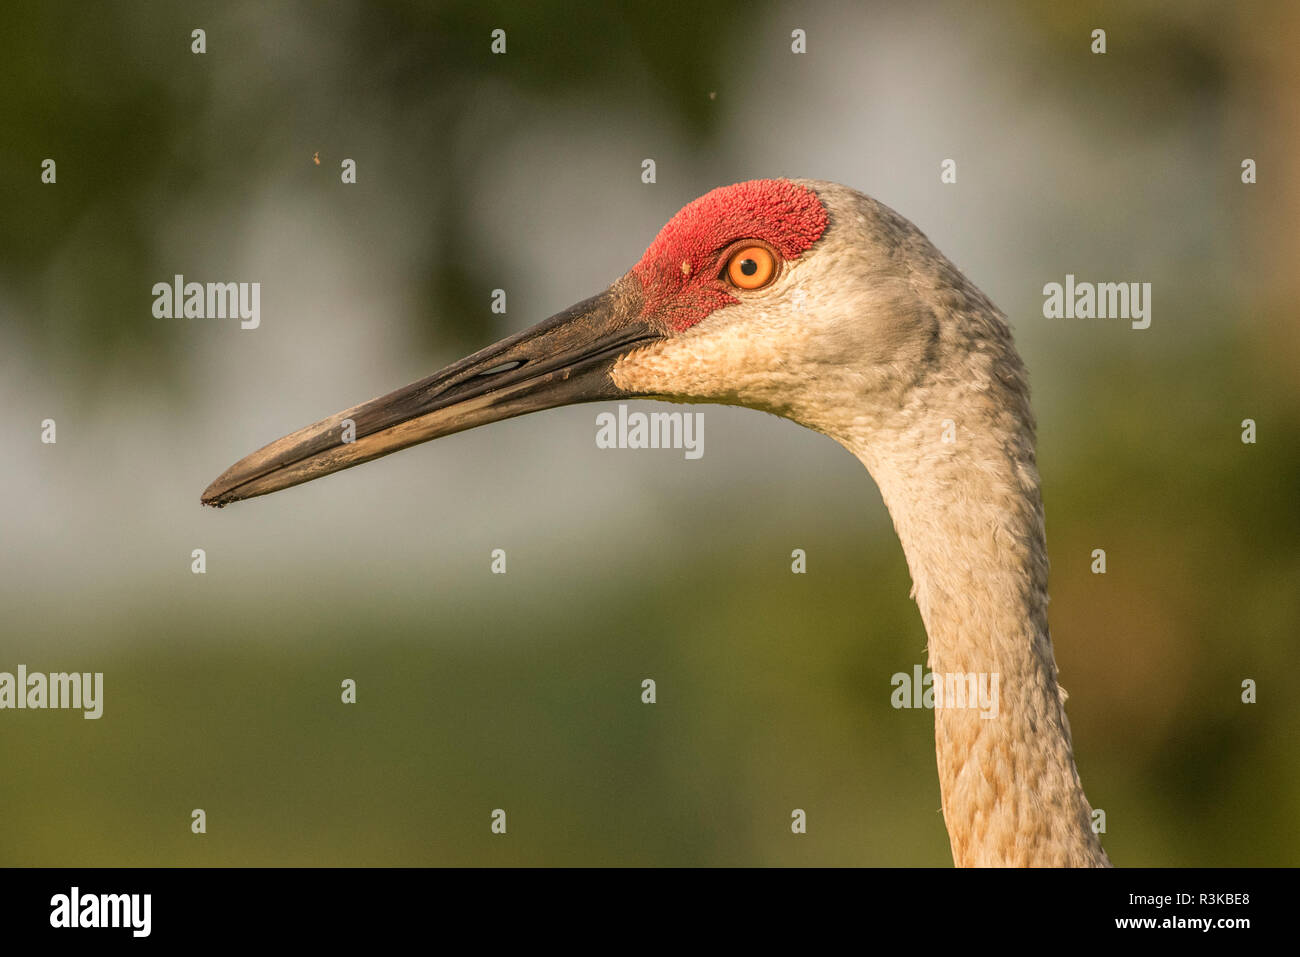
(479, 691)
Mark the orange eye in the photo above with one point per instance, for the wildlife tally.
(751, 267)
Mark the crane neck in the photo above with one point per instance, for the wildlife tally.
(963, 492)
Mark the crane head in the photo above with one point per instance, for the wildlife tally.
(775, 294)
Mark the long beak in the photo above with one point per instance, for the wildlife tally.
(562, 361)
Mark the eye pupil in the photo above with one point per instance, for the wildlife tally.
(748, 267)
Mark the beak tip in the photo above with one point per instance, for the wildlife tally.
(219, 493)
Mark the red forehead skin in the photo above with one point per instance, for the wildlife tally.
(788, 216)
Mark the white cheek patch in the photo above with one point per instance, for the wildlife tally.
(729, 355)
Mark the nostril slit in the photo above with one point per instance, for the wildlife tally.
(504, 367)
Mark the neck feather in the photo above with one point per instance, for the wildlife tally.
(961, 485)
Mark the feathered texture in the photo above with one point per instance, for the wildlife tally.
(873, 337)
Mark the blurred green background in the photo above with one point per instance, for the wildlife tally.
(522, 172)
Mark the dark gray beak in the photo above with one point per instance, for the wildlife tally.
(562, 361)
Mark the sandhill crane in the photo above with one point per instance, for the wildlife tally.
(814, 302)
